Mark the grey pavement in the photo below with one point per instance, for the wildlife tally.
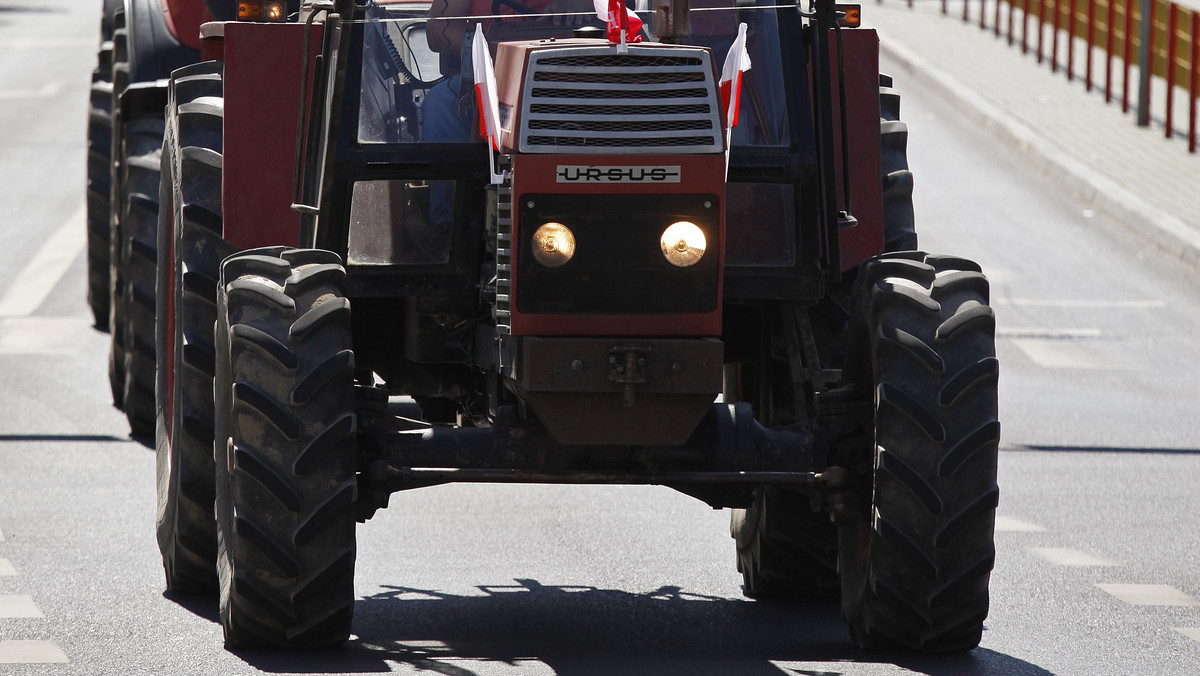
(1132, 175)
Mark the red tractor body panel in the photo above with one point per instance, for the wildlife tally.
(544, 174)
(262, 90)
(615, 175)
(864, 240)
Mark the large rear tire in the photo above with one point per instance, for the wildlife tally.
(191, 250)
(137, 237)
(785, 549)
(99, 167)
(285, 422)
(899, 224)
(916, 559)
(116, 266)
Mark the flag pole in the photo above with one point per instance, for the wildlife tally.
(623, 22)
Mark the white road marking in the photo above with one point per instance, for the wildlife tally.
(1149, 594)
(30, 652)
(6, 568)
(48, 90)
(1, 535)
(18, 606)
(1085, 304)
(1007, 523)
(1052, 354)
(1061, 556)
(1190, 632)
(1047, 334)
(48, 265)
(41, 335)
(49, 43)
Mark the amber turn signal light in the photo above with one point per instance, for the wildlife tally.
(262, 10)
(851, 15)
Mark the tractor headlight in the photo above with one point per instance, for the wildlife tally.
(683, 244)
(553, 244)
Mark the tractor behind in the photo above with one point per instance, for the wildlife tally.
(141, 42)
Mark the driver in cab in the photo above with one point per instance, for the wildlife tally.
(446, 110)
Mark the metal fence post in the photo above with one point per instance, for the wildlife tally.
(1194, 87)
(1172, 43)
(1109, 41)
(1145, 64)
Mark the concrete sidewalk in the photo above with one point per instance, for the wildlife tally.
(1130, 174)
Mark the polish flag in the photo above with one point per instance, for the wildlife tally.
(737, 61)
(617, 16)
(485, 91)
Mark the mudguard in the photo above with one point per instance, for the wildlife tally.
(262, 92)
(862, 116)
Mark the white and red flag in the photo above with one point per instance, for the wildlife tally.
(617, 16)
(485, 94)
(737, 61)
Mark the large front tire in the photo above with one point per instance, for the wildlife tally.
(915, 563)
(285, 426)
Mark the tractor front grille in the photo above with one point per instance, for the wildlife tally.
(594, 99)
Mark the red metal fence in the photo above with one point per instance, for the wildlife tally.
(1111, 30)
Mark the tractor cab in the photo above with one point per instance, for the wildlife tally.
(606, 146)
(407, 101)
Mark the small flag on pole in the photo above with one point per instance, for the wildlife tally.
(737, 61)
(485, 90)
(485, 96)
(618, 18)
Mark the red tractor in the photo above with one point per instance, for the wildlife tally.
(620, 290)
(141, 42)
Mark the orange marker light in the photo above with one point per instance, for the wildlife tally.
(853, 15)
(260, 10)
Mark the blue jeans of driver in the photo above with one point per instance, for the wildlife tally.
(444, 121)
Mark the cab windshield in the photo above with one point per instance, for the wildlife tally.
(415, 88)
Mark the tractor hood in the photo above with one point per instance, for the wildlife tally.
(584, 95)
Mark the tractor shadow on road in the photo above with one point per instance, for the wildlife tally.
(532, 628)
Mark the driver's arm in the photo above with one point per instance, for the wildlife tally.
(447, 35)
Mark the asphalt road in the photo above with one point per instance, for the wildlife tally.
(1100, 463)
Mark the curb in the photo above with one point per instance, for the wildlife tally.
(1103, 194)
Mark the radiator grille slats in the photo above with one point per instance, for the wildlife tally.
(593, 99)
(639, 94)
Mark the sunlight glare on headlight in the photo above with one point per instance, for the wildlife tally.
(553, 244)
(683, 244)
